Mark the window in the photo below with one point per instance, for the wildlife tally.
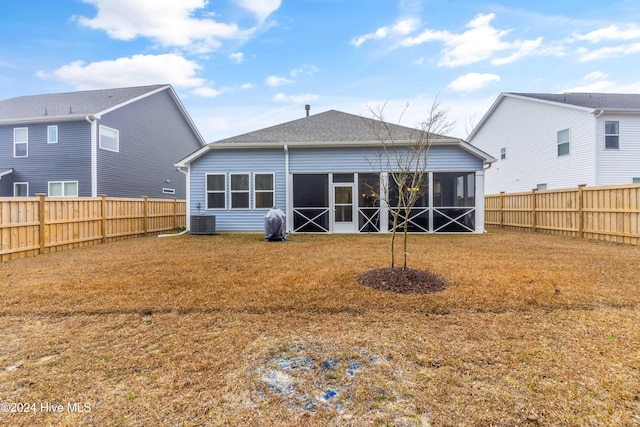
(503, 153)
(263, 190)
(636, 180)
(216, 184)
(611, 135)
(541, 187)
(563, 142)
(52, 134)
(109, 139)
(169, 190)
(239, 191)
(21, 142)
(21, 189)
(63, 189)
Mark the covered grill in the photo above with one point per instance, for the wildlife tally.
(275, 227)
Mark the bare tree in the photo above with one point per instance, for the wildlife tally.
(404, 158)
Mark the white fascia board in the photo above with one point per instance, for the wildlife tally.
(132, 100)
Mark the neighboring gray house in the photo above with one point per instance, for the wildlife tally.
(321, 171)
(119, 142)
(551, 141)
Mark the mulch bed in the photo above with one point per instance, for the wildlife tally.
(402, 280)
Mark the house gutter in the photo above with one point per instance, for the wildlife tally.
(597, 113)
(93, 120)
(288, 196)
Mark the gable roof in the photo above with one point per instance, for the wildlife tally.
(330, 128)
(601, 101)
(71, 106)
(590, 102)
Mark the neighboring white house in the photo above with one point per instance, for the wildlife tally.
(551, 141)
(321, 171)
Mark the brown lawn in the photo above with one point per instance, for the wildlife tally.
(231, 330)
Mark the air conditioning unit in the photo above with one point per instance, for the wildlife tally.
(203, 224)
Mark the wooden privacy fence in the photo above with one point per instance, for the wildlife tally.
(35, 225)
(604, 213)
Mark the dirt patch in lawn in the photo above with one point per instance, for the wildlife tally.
(402, 280)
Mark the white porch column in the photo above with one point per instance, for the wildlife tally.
(479, 197)
(384, 208)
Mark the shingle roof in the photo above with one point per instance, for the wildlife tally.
(75, 103)
(330, 126)
(590, 100)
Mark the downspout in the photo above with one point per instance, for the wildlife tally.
(288, 197)
(595, 143)
(93, 120)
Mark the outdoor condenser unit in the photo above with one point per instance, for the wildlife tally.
(203, 224)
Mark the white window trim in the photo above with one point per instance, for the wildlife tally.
(248, 191)
(611, 134)
(21, 142)
(503, 153)
(48, 134)
(206, 191)
(273, 191)
(63, 183)
(19, 183)
(568, 142)
(169, 190)
(117, 150)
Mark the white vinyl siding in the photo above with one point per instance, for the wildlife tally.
(528, 130)
(622, 165)
(63, 189)
(21, 142)
(109, 139)
(52, 134)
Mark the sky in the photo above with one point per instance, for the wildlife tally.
(244, 65)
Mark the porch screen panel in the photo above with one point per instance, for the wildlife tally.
(311, 202)
(368, 202)
(418, 218)
(454, 201)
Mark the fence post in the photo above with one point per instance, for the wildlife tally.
(41, 214)
(501, 208)
(533, 209)
(103, 218)
(580, 211)
(145, 207)
(175, 212)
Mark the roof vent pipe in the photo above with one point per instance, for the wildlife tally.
(307, 108)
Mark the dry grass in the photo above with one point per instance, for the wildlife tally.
(230, 330)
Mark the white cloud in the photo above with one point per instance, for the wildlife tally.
(206, 92)
(261, 8)
(170, 23)
(612, 32)
(306, 69)
(608, 52)
(472, 81)
(401, 28)
(274, 81)
(237, 57)
(281, 97)
(247, 86)
(134, 71)
(598, 81)
(479, 42)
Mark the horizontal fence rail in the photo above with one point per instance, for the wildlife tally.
(36, 225)
(609, 213)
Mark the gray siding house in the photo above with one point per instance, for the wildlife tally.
(120, 142)
(561, 140)
(322, 171)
